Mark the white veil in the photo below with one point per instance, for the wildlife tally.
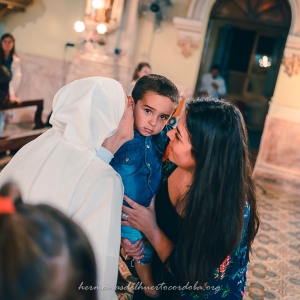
(61, 167)
(85, 113)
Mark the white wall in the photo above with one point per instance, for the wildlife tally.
(287, 92)
(160, 49)
(46, 26)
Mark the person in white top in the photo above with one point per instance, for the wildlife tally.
(68, 168)
(213, 84)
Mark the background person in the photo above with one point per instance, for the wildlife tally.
(205, 216)
(68, 167)
(4, 94)
(43, 255)
(213, 84)
(12, 62)
(141, 69)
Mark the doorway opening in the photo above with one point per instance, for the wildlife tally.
(246, 39)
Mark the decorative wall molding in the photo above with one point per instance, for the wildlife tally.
(188, 46)
(291, 59)
(292, 65)
(189, 34)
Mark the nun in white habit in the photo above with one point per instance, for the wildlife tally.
(68, 166)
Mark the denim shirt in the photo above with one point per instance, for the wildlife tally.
(139, 162)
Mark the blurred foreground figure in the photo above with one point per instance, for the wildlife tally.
(43, 253)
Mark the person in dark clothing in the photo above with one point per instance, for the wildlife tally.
(5, 78)
(205, 216)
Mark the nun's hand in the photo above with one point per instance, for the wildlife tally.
(134, 250)
(140, 217)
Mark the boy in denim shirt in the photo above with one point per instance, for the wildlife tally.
(139, 160)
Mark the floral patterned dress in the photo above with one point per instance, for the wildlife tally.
(229, 280)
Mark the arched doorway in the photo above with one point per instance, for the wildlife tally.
(246, 38)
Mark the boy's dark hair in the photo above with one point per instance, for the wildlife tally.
(157, 84)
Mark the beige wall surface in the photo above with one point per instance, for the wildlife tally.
(45, 27)
(287, 91)
(161, 50)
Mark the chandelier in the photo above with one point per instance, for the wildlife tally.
(100, 20)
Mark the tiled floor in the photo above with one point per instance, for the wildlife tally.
(274, 270)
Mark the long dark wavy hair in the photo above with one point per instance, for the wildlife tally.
(222, 183)
(138, 68)
(12, 52)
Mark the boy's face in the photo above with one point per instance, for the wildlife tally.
(152, 113)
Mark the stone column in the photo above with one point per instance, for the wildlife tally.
(278, 161)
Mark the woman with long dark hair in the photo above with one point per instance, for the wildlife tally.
(205, 216)
(12, 62)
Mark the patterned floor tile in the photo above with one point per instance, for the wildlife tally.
(274, 270)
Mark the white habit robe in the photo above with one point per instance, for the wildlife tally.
(61, 168)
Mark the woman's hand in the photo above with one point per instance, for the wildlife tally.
(134, 250)
(140, 217)
(144, 220)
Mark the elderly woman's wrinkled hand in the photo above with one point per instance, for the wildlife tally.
(134, 250)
